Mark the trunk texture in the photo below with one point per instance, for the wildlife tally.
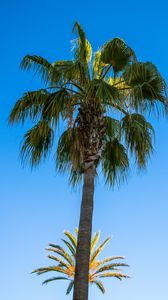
(81, 287)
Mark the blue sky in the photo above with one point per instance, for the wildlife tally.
(37, 206)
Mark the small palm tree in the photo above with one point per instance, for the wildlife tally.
(66, 262)
(102, 100)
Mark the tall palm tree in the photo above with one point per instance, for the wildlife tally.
(103, 100)
(66, 260)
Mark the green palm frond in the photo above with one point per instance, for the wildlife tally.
(115, 163)
(37, 143)
(108, 93)
(138, 135)
(113, 128)
(39, 65)
(147, 86)
(100, 285)
(53, 279)
(29, 106)
(69, 150)
(56, 105)
(70, 286)
(117, 54)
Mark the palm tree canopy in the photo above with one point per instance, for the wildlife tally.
(64, 262)
(102, 98)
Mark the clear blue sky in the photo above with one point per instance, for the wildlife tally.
(37, 206)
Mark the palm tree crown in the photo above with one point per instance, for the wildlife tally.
(104, 268)
(102, 98)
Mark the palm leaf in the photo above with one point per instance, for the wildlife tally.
(40, 65)
(29, 106)
(109, 267)
(54, 278)
(94, 241)
(56, 105)
(117, 54)
(138, 135)
(147, 86)
(113, 128)
(70, 286)
(57, 259)
(110, 259)
(100, 285)
(59, 250)
(72, 238)
(114, 162)
(119, 276)
(98, 65)
(70, 247)
(83, 49)
(99, 249)
(37, 143)
(49, 269)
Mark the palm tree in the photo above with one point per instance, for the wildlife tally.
(66, 260)
(103, 101)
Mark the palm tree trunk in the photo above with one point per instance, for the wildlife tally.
(81, 287)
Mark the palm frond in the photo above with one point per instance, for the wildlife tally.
(70, 247)
(72, 238)
(113, 128)
(39, 65)
(98, 65)
(37, 143)
(99, 249)
(70, 286)
(29, 106)
(106, 92)
(117, 54)
(94, 241)
(109, 267)
(119, 276)
(54, 278)
(110, 259)
(138, 135)
(49, 269)
(56, 105)
(57, 259)
(115, 163)
(100, 285)
(59, 250)
(83, 49)
(69, 151)
(147, 87)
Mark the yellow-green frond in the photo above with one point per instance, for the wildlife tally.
(99, 249)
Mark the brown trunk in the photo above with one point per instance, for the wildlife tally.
(81, 287)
